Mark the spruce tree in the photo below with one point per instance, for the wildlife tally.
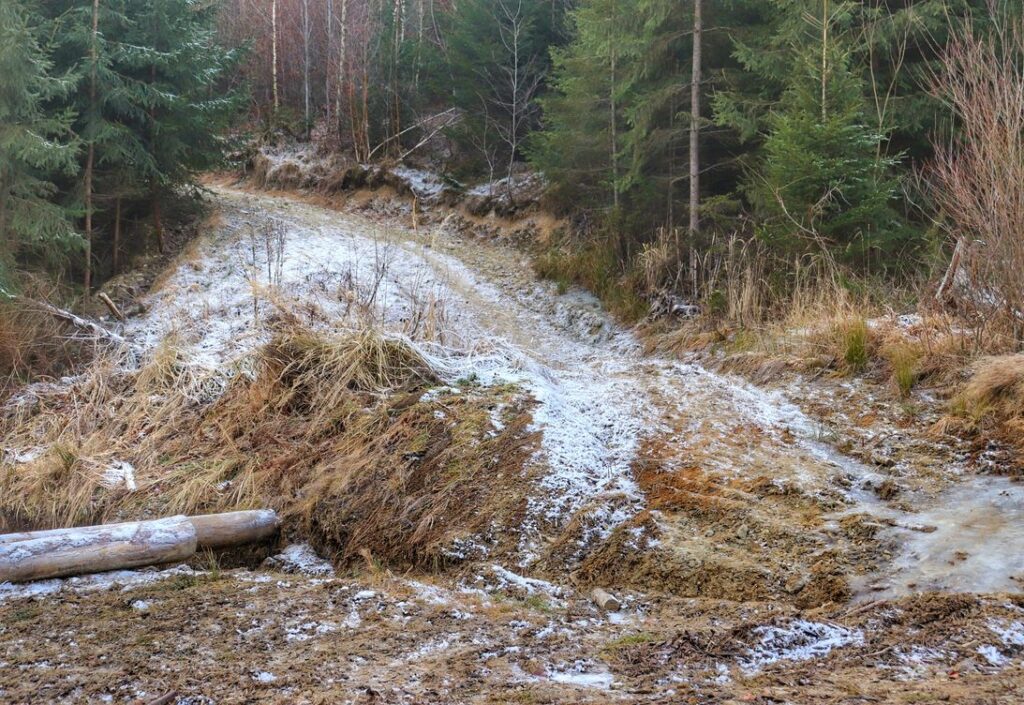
(34, 144)
(822, 181)
(580, 150)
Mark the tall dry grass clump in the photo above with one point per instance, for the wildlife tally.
(33, 344)
(977, 177)
(991, 403)
(336, 432)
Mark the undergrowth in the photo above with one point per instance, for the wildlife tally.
(596, 268)
(33, 344)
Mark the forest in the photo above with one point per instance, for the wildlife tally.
(512, 351)
(810, 136)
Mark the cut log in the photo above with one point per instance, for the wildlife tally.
(605, 600)
(212, 530)
(114, 547)
(235, 528)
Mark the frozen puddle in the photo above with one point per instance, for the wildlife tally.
(970, 540)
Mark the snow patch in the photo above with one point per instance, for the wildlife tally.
(120, 474)
(124, 580)
(300, 558)
(801, 640)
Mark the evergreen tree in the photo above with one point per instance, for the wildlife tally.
(170, 54)
(580, 149)
(822, 182)
(34, 144)
(147, 110)
(498, 54)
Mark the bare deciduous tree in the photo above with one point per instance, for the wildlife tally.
(978, 176)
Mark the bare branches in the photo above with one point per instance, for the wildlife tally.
(978, 177)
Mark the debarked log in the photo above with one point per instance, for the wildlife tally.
(53, 553)
(212, 530)
(118, 546)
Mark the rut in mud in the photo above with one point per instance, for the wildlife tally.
(653, 477)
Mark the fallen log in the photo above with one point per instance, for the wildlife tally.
(235, 528)
(111, 306)
(94, 549)
(114, 547)
(212, 530)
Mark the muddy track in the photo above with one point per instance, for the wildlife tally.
(749, 553)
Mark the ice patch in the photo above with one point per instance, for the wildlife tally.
(581, 675)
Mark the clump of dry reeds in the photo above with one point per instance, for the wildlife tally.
(991, 403)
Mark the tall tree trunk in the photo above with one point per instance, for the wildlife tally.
(327, 61)
(824, 59)
(695, 94)
(342, 58)
(399, 37)
(306, 30)
(117, 235)
(273, 53)
(612, 121)
(154, 189)
(91, 156)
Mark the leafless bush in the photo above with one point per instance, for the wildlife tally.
(977, 176)
(266, 243)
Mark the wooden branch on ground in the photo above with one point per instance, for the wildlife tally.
(164, 699)
(111, 306)
(55, 553)
(60, 314)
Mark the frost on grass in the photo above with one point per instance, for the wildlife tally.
(300, 558)
(120, 474)
(123, 580)
(799, 641)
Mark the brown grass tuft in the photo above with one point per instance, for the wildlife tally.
(991, 403)
(333, 432)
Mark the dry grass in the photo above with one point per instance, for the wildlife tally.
(333, 432)
(33, 344)
(991, 403)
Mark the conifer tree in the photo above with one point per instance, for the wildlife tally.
(580, 149)
(34, 144)
(823, 182)
(498, 58)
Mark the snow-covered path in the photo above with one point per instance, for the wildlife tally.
(477, 311)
